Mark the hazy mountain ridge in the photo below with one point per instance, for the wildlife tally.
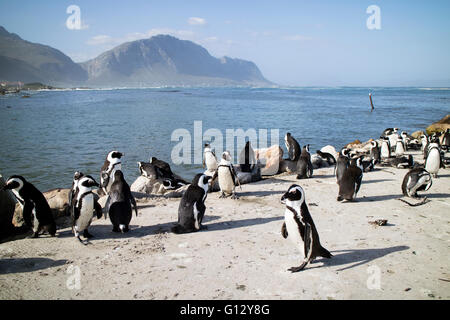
(160, 60)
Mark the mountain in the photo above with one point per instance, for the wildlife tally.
(25, 61)
(166, 60)
(160, 60)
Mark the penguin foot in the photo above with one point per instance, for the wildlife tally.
(222, 195)
(299, 268)
(339, 198)
(234, 196)
(115, 229)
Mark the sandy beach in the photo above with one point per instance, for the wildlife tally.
(242, 255)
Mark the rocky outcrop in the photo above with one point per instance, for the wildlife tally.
(417, 134)
(270, 159)
(439, 126)
(155, 187)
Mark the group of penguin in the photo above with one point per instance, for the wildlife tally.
(298, 224)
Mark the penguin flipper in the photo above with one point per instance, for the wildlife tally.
(26, 213)
(98, 210)
(284, 232)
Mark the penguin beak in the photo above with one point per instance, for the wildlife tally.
(283, 198)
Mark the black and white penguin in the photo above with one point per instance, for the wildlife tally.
(292, 146)
(84, 206)
(375, 152)
(299, 227)
(342, 163)
(385, 150)
(328, 157)
(247, 158)
(399, 162)
(304, 165)
(387, 132)
(433, 160)
(158, 169)
(192, 205)
(400, 147)
(111, 164)
(36, 211)
(227, 176)
(76, 178)
(119, 203)
(417, 179)
(368, 165)
(209, 159)
(445, 140)
(350, 182)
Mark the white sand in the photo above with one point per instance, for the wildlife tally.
(242, 254)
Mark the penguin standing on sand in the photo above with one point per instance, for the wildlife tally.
(84, 207)
(209, 159)
(292, 146)
(417, 179)
(342, 163)
(119, 203)
(399, 147)
(192, 206)
(433, 161)
(304, 165)
(299, 227)
(375, 152)
(445, 140)
(111, 164)
(35, 209)
(227, 176)
(351, 181)
(385, 149)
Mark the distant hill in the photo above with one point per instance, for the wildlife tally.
(25, 61)
(160, 60)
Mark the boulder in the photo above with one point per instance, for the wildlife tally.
(439, 126)
(417, 134)
(270, 159)
(331, 150)
(155, 187)
(288, 166)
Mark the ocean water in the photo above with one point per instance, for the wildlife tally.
(52, 134)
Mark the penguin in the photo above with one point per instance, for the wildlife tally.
(387, 132)
(304, 165)
(433, 161)
(158, 169)
(328, 157)
(292, 146)
(192, 206)
(385, 149)
(119, 203)
(375, 152)
(445, 140)
(36, 211)
(399, 162)
(417, 179)
(247, 158)
(368, 165)
(399, 147)
(350, 182)
(209, 159)
(76, 178)
(227, 176)
(299, 227)
(406, 139)
(393, 140)
(84, 206)
(423, 141)
(342, 163)
(111, 164)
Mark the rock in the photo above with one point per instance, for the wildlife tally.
(58, 200)
(417, 134)
(351, 144)
(318, 162)
(360, 148)
(7, 205)
(439, 126)
(288, 166)
(331, 150)
(248, 177)
(270, 159)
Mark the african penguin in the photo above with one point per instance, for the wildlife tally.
(119, 203)
(350, 182)
(328, 157)
(417, 179)
(209, 158)
(192, 206)
(385, 150)
(292, 146)
(399, 147)
(84, 206)
(445, 140)
(375, 152)
(227, 176)
(399, 162)
(433, 161)
(299, 227)
(36, 211)
(111, 164)
(247, 158)
(342, 163)
(304, 165)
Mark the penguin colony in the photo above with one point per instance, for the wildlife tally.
(298, 224)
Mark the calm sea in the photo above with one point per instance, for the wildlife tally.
(47, 137)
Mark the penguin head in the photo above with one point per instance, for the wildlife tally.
(294, 193)
(14, 182)
(77, 175)
(88, 182)
(288, 135)
(345, 152)
(201, 180)
(226, 156)
(114, 156)
(118, 175)
(374, 144)
(207, 147)
(307, 147)
(169, 184)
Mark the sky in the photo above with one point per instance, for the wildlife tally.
(294, 43)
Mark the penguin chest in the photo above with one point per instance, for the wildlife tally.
(293, 229)
(399, 150)
(86, 213)
(225, 180)
(210, 161)
(433, 161)
(385, 153)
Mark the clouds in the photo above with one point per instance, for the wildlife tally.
(296, 37)
(195, 21)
